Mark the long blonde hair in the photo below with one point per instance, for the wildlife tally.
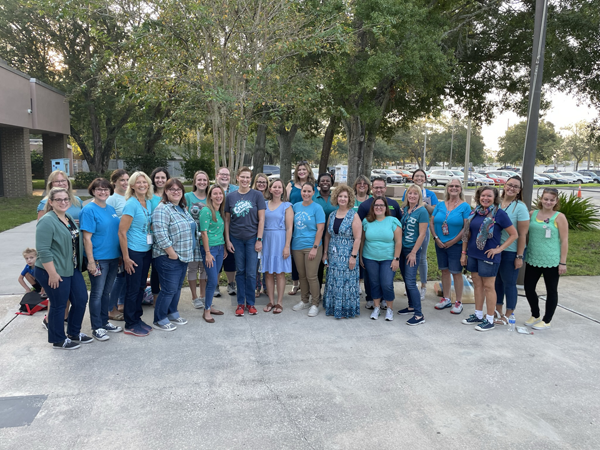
(413, 187)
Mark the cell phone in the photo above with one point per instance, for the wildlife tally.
(98, 269)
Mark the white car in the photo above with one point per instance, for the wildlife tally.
(579, 178)
(442, 176)
(481, 180)
(389, 175)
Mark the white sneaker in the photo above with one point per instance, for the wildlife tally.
(389, 315)
(444, 303)
(375, 313)
(198, 303)
(457, 308)
(231, 289)
(300, 306)
(369, 305)
(383, 305)
(423, 293)
(313, 311)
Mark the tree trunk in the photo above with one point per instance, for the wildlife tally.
(285, 139)
(368, 159)
(355, 131)
(334, 122)
(260, 144)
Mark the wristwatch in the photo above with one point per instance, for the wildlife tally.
(259, 239)
(315, 246)
(397, 259)
(519, 256)
(354, 256)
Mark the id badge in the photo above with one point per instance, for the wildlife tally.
(548, 233)
(149, 239)
(445, 230)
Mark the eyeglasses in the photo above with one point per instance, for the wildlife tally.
(175, 191)
(513, 186)
(61, 200)
(223, 174)
(379, 206)
(102, 190)
(59, 181)
(454, 186)
(261, 182)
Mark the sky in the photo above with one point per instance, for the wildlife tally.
(564, 111)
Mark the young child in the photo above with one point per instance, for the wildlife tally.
(30, 255)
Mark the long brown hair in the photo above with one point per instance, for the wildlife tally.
(371, 215)
(209, 202)
(168, 185)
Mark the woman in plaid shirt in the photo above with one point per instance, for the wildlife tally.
(174, 243)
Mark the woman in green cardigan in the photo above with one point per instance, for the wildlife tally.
(58, 269)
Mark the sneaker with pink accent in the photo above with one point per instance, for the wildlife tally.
(457, 308)
(444, 303)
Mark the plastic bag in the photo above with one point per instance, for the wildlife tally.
(468, 291)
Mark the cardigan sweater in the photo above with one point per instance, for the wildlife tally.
(53, 243)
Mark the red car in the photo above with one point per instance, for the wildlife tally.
(404, 174)
(498, 178)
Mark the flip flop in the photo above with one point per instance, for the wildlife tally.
(501, 321)
(268, 308)
(277, 309)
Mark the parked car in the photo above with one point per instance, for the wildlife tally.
(551, 171)
(481, 180)
(271, 170)
(404, 174)
(442, 176)
(579, 178)
(555, 178)
(389, 175)
(499, 177)
(594, 175)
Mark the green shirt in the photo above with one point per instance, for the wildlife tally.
(214, 230)
(543, 249)
(53, 243)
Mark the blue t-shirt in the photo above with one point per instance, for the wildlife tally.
(379, 238)
(73, 210)
(429, 197)
(137, 235)
(117, 201)
(27, 270)
(103, 223)
(517, 212)
(410, 225)
(306, 219)
(455, 220)
(502, 221)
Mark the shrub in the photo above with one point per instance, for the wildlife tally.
(37, 165)
(191, 164)
(83, 179)
(145, 163)
(580, 212)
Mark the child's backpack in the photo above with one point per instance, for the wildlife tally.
(31, 303)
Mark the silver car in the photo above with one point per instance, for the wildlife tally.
(579, 178)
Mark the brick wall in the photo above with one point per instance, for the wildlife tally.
(16, 162)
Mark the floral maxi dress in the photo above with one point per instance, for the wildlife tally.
(342, 294)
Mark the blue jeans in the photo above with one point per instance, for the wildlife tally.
(117, 294)
(423, 263)
(171, 274)
(410, 280)
(506, 280)
(154, 282)
(136, 285)
(212, 273)
(380, 278)
(70, 288)
(246, 262)
(100, 292)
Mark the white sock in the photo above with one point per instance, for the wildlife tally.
(479, 314)
(490, 319)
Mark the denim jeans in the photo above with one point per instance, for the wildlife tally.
(117, 294)
(136, 285)
(70, 288)
(423, 263)
(212, 273)
(154, 281)
(246, 262)
(100, 292)
(410, 280)
(506, 280)
(171, 274)
(380, 278)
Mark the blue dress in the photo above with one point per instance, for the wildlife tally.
(274, 241)
(342, 297)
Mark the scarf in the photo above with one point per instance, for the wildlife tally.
(486, 230)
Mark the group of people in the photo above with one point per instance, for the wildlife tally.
(259, 232)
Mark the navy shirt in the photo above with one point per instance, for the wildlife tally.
(502, 221)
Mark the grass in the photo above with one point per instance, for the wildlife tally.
(17, 211)
(39, 184)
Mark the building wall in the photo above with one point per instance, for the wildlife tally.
(16, 162)
(14, 98)
(50, 109)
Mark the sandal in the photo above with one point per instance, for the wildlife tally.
(277, 309)
(501, 321)
(117, 317)
(257, 294)
(269, 307)
(294, 290)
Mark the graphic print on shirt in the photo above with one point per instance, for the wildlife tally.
(242, 208)
(410, 229)
(300, 220)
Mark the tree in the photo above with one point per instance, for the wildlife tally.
(578, 143)
(513, 143)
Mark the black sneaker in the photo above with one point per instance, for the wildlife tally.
(45, 322)
(68, 344)
(81, 339)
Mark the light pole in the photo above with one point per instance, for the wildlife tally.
(451, 147)
(425, 150)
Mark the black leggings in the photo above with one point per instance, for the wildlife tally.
(551, 277)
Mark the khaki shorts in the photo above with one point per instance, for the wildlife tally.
(196, 271)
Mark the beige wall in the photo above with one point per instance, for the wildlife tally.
(14, 99)
(50, 109)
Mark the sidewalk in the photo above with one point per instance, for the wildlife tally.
(289, 381)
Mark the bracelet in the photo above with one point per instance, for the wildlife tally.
(562, 264)
(464, 253)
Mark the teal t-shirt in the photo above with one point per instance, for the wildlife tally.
(155, 201)
(517, 212)
(103, 223)
(214, 230)
(410, 225)
(191, 200)
(306, 219)
(379, 238)
(328, 208)
(137, 235)
(357, 203)
(455, 220)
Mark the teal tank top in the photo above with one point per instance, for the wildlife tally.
(543, 251)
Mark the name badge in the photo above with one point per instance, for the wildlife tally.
(149, 239)
(548, 233)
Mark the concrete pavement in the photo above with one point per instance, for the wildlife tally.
(294, 382)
